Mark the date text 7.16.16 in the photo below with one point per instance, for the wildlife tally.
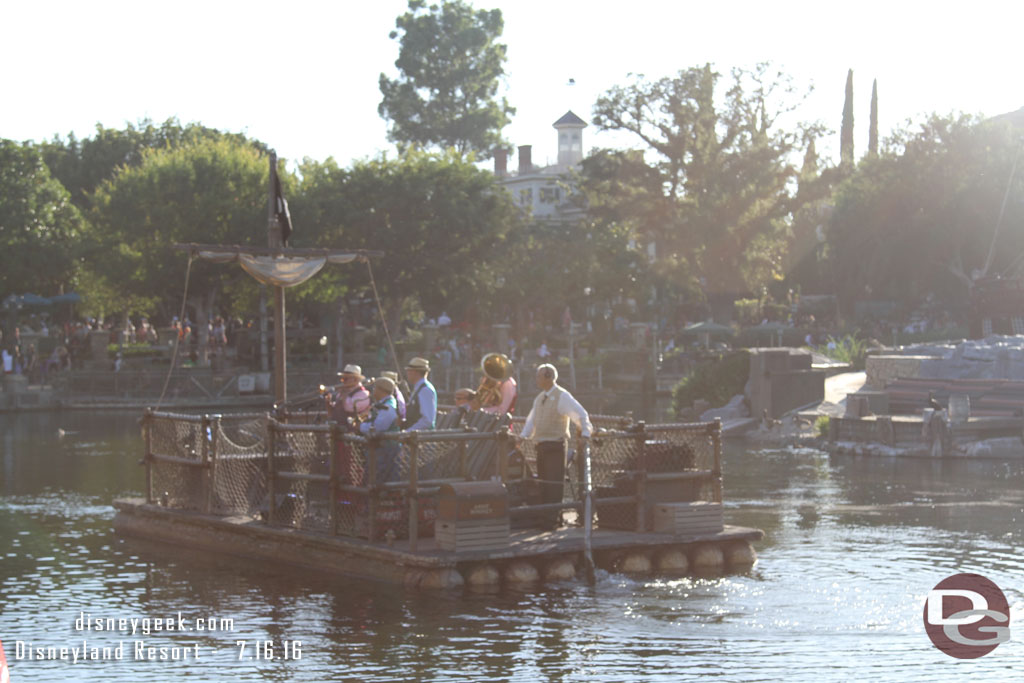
(265, 649)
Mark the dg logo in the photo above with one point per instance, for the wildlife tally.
(967, 616)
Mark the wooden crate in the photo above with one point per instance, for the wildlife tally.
(462, 536)
(472, 516)
(688, 519)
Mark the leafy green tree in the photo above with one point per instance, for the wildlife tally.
(440, 221)
(712, 186)
(846, 132)
(81, 165)
(920, 218)
(451, 65)
(40, 229)
(207, 191)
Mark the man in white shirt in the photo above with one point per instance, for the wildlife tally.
(548, 425)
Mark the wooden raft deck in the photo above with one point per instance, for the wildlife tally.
(251, 538)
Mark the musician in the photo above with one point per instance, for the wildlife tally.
(509, 392)
(548, 425)
(421, 409)
(383, 419)
(464, 397)
(351, 399)
(399, 398)
(497, 391)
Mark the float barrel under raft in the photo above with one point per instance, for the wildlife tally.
(434, 509)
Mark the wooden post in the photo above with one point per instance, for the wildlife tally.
(503, 442)
(271, 487)
(641, 481)
(212, 476)
(204, 453)
(332, 487)
(147, 432)
(463, 465)
(716, 469)
(414, 521)
(275, 240)
(374, 492)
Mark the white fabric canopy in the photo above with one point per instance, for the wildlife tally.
(278, 271)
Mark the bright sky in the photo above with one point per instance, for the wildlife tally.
(302, 75)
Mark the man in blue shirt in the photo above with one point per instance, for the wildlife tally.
(421, 408)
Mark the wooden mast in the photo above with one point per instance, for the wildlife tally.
(275, 240)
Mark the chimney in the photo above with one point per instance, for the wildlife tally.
(525, 163)
(501, 162)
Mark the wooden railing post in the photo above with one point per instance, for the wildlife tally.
(147, 431)
(504, 440)
(716, 468)
(414, 508)
(271, 471)
(373, 492)
(641, 481)
(204, 456)
(464, 465)
(332, 471)
(211, 491)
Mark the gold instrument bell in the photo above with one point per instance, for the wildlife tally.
(496, 368)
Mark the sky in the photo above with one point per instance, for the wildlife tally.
(302, 76)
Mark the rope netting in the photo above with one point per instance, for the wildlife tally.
(220, 464)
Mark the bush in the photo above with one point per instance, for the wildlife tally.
(821, 425)
(849, 349)
(715, 381)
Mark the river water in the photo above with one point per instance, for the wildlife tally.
(852, 546)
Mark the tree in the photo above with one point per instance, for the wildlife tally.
(40, 229)
(920, 218)
(451, 65)
(873, 126)
(440, 221)
(81, 165)
(846, 132)
(207, 191)
(713, 187)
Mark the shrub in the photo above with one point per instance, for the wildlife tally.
(849, 349)
(716, 381)
(821, 425)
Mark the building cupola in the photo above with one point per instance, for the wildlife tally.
(570, 139)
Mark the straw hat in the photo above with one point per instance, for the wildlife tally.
(385, 383)
(390, 374)
(421, 364)
(352, 369)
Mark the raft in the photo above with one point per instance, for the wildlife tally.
(458, 507)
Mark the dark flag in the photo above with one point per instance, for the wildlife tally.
(284, 219)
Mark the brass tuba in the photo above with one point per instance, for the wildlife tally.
(496, 368)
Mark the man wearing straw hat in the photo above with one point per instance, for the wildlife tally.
(351, 399)
(421, 409)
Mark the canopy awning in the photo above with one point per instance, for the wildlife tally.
(276, 267)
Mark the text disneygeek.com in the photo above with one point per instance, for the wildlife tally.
(99, 645)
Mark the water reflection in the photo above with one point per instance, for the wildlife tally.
(852, 546)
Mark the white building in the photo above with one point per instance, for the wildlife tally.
(544, 191)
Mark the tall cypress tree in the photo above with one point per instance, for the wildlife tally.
(846, 133)
(873, 126)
